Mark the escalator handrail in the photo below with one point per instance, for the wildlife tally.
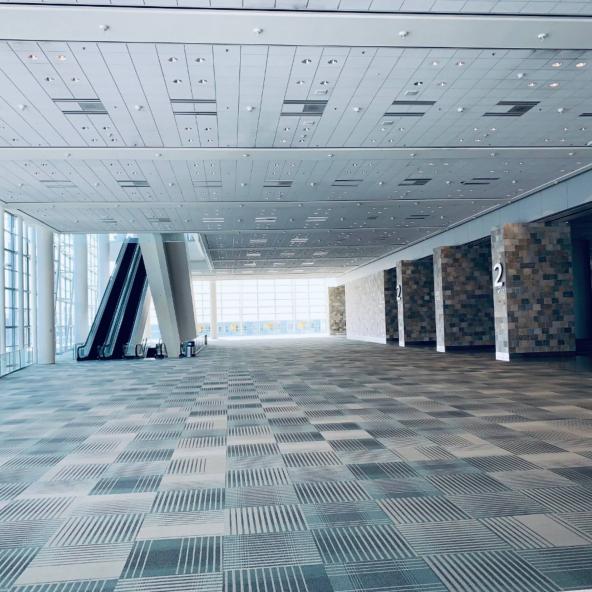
(85, 347)
(121, 305)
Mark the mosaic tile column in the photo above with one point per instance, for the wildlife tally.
(463, 293)
(337, 310)
(390, 305)
(416, 302)
(532, 290)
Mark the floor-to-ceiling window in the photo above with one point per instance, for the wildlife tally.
(92, 241)
(271, 307)
(64, 296)
(201, 306)
(11, 288)
(28, 293)
(16, 259)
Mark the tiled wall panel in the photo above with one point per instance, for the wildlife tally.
(416, 307)
(534, 308)
(337, 310)
(365, 309)
(463, 296)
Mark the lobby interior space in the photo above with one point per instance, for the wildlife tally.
(296, 296)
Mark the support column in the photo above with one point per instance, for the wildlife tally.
(80, 288)
(415, 292)
(582, 293)
(391, 309)
(103, 256)
(154, 255)
(46, 345)
(463, 296)
(532, 290)
(213, 311)
(337, 325)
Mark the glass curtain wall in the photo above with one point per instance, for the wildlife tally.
(201, 306)
(16, 260)
(251, 308)
(92, 241)
(64, 294)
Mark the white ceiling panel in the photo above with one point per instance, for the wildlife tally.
(501, 7)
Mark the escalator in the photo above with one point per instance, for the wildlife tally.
(120, 308)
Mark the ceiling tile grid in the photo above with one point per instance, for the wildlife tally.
(133, 95)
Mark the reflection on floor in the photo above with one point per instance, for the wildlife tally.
(293, 466)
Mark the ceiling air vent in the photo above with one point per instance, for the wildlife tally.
(517, 108)
(133, 183)
(316, 219)
(207, 184)
(480, 181)
(414, 182)
(157, 220)
(310, 108)
(409, 113)
(346, 182)
(417, 217)
(108, 221)
(81, 106)
(274, 183)
(194, 107)
(265, 219)
(58, 184)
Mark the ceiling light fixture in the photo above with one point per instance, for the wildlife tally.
(581, 65)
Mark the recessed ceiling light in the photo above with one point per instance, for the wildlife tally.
(177, 81)
(460, 63)
(257, 30)
(542, 36)
(357, 109)
(324, 82)
(442, 83)
(556, 65)
(62, 57)
(49, 79)
(332, 61)
(249, 108)
(33, 56)
(581, 65)
(173, 59)
(306, 61)
(435, 63)
(202, 81)
(532, 84)
(104, 27)
(138, 107)
(554, 85)
(460, 109)
(403, 34)
(200, 60)
(300, 82)
(520, 75)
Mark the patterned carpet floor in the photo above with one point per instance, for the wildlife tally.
(309, 465)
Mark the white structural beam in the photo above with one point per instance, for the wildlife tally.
(46, 343)
(80, 281)
(155, 260)
(251, 27)
(288, 154)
